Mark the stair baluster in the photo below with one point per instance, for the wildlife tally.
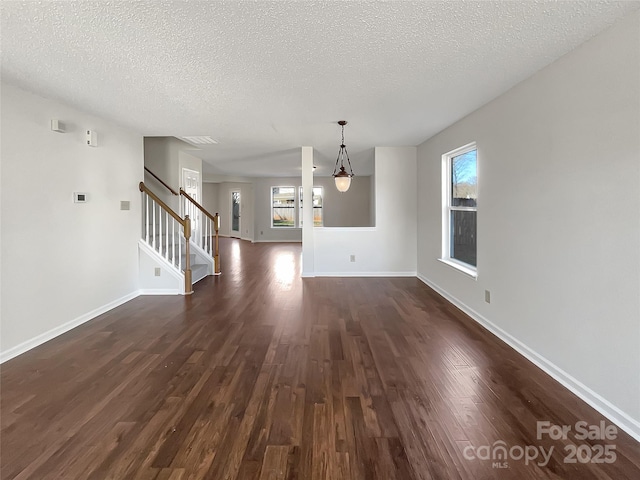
(206, 226)
(159, 239)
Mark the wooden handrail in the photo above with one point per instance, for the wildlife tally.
(143, 188)
(161, 181)
(198, 206)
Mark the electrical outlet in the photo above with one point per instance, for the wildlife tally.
(352, 258)
(158, 271)
(487, 296)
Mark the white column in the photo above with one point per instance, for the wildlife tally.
(308, 265)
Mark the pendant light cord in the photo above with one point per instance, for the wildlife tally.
(341, 154)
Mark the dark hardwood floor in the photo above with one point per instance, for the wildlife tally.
(263, 375)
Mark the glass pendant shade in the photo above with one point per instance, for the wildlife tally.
(343, 180)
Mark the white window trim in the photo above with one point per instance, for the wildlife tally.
(446, 209)
(461, 267)
(295, 207)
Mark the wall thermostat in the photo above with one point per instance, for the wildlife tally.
(79, 197)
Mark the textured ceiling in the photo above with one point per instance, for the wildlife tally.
(264, 78)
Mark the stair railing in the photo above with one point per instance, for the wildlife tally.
(161, 228)
(206, 231)
(173, 192)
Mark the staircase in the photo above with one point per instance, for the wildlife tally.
(183, 250)
(170, 248)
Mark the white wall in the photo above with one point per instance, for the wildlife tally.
(558, 221)
(264, 232)
(169, 282)
(166, 157)
(372, 200)
(64, 262)
(346, 209)
(210, 193)
(216, 178)
(352, 208)
(158, 158)
(389, 248)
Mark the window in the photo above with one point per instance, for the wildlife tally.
(460, 197)
(283, 207)
(317, 207)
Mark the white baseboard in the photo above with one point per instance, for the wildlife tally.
(54, 332)
(361, 274)
(160, 291)
(601, 404)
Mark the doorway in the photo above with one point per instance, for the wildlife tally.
(191, 186)
(235, 214)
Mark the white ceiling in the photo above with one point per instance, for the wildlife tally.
(264, 78)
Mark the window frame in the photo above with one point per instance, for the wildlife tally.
(447, 209)
(293, 208)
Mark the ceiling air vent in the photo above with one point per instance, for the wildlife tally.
(202, 140)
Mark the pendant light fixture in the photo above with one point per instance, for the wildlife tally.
(342, 177)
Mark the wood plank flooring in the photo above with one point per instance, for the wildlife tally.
(262, 375)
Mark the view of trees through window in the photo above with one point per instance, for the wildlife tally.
(462, 206)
